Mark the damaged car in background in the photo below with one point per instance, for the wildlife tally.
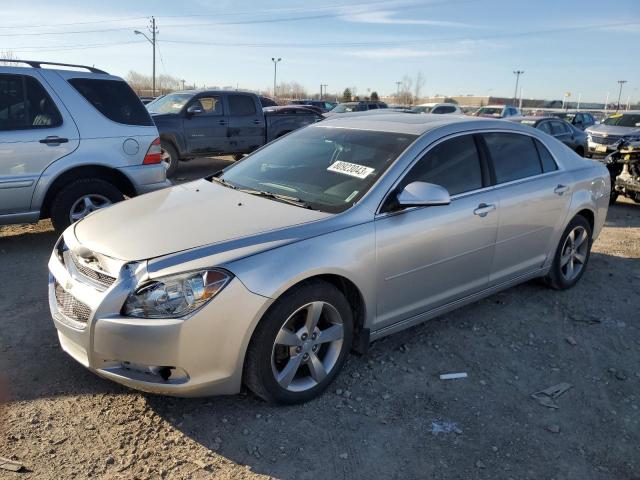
(268, 273)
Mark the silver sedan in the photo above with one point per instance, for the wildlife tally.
(331, 237)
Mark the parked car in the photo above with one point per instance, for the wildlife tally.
(602, 138)
(323, 105)
(333, 236)
(360, 106)
(581, 120)
(497, 111)
(146, 100)
(72, 141)
(437, 108)
(572, 137)
(217, 122)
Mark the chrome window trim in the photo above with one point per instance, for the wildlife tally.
(379, 214)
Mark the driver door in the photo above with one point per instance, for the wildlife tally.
(206, 132)
(431, 256)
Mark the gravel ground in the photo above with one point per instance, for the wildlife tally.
(388, 415)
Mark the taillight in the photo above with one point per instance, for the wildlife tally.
(154, 154)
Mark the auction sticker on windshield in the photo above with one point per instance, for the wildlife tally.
(351, 169)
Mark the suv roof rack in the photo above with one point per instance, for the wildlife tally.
(38, 64)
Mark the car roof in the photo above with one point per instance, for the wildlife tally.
(397, 122)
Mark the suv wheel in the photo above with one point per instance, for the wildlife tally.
(169, 158)
(80, 198)
(300, 345)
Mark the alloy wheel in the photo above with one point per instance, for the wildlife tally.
(307, 346)
(87, 204)
(574, 253)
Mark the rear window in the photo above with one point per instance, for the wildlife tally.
(114, 99)
(241, 105)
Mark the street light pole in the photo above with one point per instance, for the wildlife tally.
(152, 41)
(323, 85)
(517, 73)
(621, 82)
(398, 91)
(275, 71)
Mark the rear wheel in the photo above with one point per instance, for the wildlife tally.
(169, 158)
(300, 345)
(571, 256)
(80, 198)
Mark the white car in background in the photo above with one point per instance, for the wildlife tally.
(437, 108)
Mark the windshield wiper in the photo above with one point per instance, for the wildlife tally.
(277, 196)
(223, 182)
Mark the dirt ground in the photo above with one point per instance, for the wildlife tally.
(388, 415)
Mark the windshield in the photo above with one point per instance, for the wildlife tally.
(421, 109)
(171, 103)
(327, 169)
(495, 112)
(623, 120)
(345, 107)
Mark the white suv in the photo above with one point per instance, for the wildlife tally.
(71, 142)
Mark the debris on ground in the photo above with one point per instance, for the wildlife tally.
(10, 465)
(452, 376)
(571, 341)
(438, 426)
(547, 396)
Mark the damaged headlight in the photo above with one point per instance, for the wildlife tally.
(175, 295)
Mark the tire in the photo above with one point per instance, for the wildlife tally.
(66, 204)
(558, 277)
(267, 360)
(170, 158)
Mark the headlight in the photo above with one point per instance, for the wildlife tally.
(175, 295)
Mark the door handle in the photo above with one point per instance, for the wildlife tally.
(483, 209)
(560, 189)
(256, 122)
(54, 140)
(222, 122)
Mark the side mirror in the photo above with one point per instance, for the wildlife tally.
(419, 194)
(195, 109)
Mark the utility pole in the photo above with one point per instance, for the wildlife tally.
(606, 103)
(323, 85)
(398, 91)
(275, 71)
(152, 41)
(579, 98)
(621, 82)
(182, 84)
(517, 73)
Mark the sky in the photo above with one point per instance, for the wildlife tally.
(460, 46)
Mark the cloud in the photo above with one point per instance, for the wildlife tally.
(388, 18)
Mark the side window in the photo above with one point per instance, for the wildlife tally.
(211, 105)
(241, 105)
(544, 127)
(548, 163)
(114, 99)
(372, 106)
(24, 104)
(438, 110)
(558, 128)
(454, 164)
(514, 156)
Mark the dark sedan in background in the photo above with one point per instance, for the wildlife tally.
(580, 120)
(572, 137)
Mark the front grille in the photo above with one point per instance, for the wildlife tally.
(98, 277)
(70, 306)
(609, 140)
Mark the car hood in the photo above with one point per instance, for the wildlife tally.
(613, 130)
(185, 217)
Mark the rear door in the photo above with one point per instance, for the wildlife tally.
(247, 127)
(35, 131)
(534, 197)
(206, 133)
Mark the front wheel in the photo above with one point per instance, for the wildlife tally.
(80, 198)
(300, 345)
(571, 256)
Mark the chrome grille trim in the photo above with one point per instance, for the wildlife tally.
(608, 140)
(101, 279)
(69, 306)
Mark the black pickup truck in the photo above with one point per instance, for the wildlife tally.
(217, 122)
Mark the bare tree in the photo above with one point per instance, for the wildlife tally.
(404, 93)
(8, 55)
(417, 89)
(143, 84)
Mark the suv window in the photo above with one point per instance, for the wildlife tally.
(443, 165)
(558, 128)
(545, 127)
(114, 99)
(241, 105)
(24, 104)
(514, 156)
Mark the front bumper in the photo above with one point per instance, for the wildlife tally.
(599, 150)
(147, 178)
(204, 351)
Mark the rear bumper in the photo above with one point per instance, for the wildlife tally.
(147, 178)
(204, 352)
